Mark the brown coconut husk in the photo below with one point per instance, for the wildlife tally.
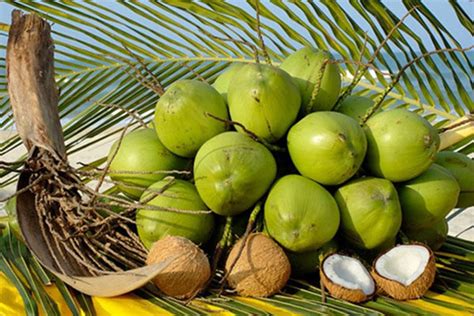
(58, 215)
(338, 291)
(262, 268)
(187, 274)
(413, 291)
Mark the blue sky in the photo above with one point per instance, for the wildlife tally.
(440, 8)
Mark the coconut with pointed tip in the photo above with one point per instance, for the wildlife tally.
(300, 214)
(428, 198)
(370, 212)
(304, 65)
(401, 145)
(221, 84)
(138, 161)
(232, 172)
(355, 106)
(153, 224)
(181, 116)
(462, 168)
(262, 268)
(405, 272)
(433, 236)
(328, 147)
(264, 99)
(347, 278)
(187, 274)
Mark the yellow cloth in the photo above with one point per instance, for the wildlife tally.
(11, 303)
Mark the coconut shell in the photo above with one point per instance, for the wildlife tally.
(187, 274)
(262, 268)
(338, 291)
(416, 289)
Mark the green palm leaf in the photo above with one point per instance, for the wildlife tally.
(184, 39)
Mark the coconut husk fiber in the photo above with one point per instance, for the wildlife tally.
(59, 221)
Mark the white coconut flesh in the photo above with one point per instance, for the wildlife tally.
(403, 264)
(349, 273)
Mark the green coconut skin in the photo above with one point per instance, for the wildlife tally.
(462, 168)
(370, 212)
(221, 84)
(328, 147)
(355, 106)
(300, 214)
(305, 263)
(181, 118)
(433, 236)
(303, 66)
(153, 225)
(401, 145)
(232, 172)
(466, 199)
(141, 151)
(427, 199)
(264, 99)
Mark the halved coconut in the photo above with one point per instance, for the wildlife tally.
(347, 278)
(405, 271)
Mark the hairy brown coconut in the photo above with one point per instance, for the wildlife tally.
(187, 274)
(405, 272)
(261, 270)
(347, 278)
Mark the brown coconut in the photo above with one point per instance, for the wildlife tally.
(187, 274)
(262, 268)
(415, 289)
(339, 291)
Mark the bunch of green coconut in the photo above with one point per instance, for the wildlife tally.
(335, 193)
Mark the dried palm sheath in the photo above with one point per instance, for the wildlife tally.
(57, 213)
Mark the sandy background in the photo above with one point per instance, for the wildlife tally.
(461, 225)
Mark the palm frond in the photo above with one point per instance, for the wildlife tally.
(97, 50)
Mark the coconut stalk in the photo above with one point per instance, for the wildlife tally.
(61, 228)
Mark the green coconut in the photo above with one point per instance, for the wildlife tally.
(462, 168)
(328, 147)
(232, 172)
(355, 106)
(370, 212)
(221, 84)
(140, 152)
(466, 199)
(300, 214)
(303, 66)
(433, 236)
(264, 99)
(304, 263)
(153, 225)
(181, 116)
(428, 198)
(401, 145)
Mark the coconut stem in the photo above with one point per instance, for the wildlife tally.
(359, 74)
(251, 134)
(248, 230)
(317, 85)
(268, 60)
(378, 101)
(221, 245)
(155, 84)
